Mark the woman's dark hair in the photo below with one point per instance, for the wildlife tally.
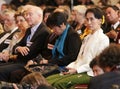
(110, 56)
(56, 19)
(98, 13)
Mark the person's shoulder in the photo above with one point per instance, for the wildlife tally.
(106, 76)
(105, 81)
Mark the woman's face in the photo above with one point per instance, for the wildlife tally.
(21, 23)
(92, 23)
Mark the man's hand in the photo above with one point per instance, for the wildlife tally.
(23, 50)
(112, 34)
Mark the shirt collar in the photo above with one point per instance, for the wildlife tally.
(34, 28)
(116, 25)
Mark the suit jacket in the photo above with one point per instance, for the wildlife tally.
(116, 30)
(118, 35)
(71, 49)
(5, 44)
(37, 46)
(105, 81)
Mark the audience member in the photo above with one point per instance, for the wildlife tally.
(39, 3)
(30, 46)
(47, 11)
(52, 38)
(109, 61)
(17, 3)
(112, 18)
(102, 3)
(78, 13)
(4, 6)
(22, 26)
(9, 28)
(91, 47)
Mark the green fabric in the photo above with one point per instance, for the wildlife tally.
(66, 81)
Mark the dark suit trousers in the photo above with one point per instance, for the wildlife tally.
(6, 69)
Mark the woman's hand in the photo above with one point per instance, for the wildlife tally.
(70, 71)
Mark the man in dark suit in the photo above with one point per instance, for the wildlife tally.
(109, 61)
(113, 20)
(30, 46)
(9, 28)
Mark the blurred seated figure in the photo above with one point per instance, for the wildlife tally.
(112, 18)
(78, 18)
(17, 3)
(109, 61)
(52, 38)
(47, 11)
(10, 28)
(22, 26)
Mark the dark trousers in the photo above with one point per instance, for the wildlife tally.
(11, 72)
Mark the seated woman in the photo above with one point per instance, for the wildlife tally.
(68, 43)
(92, 45)
(22, 26)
